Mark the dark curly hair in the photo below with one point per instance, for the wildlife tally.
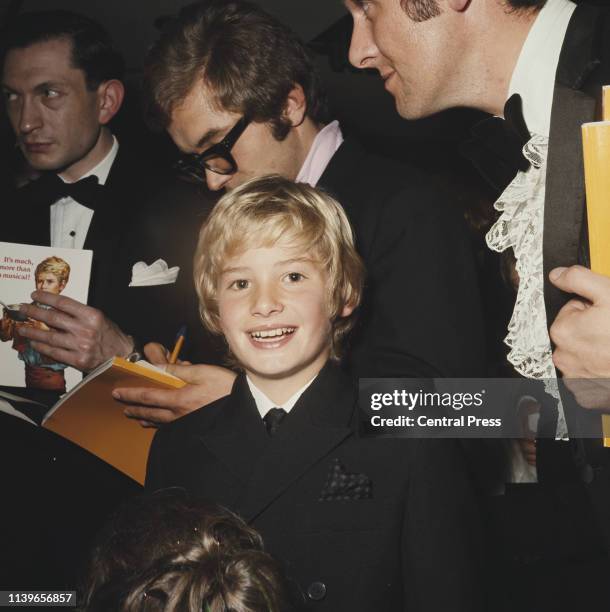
(172, 553)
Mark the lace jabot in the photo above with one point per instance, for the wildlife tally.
(520, 227)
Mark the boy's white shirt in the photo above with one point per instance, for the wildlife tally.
(264, 404)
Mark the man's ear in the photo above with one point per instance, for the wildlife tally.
(295, 108)
(110, 96)
(458, 5)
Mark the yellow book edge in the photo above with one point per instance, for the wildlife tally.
(605, 119)
(90, 417)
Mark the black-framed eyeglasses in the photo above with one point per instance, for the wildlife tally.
(216, 158)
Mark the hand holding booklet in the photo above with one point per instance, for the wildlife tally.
(87, 414)
(90, 417)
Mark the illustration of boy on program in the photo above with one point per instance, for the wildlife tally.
(52, 275)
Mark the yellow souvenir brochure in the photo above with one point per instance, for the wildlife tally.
(596, 155)
(90, 417)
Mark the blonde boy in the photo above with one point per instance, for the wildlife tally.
(362, 524)
(277, 274)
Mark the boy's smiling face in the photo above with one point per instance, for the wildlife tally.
(273, 304)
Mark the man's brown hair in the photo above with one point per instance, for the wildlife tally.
(248, 60)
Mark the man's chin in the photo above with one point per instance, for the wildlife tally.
(413, 109)
(47, 161)
(42, 163)
(407, 110)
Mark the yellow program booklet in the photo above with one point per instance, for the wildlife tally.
(596, 157)
(89, 416)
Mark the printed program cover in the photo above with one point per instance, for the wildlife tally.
(23, 269)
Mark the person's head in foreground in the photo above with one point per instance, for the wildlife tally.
(52, 275)
(173, 553)
(61, 79)
(277, 274)
(237, 92)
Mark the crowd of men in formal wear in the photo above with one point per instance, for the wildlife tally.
(308, 261)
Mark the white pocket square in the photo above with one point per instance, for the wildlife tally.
(158, 273)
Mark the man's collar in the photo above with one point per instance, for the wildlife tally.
(534, 75)
(324, 146)
(102, 169)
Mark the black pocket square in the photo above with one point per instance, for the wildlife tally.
(342, 486)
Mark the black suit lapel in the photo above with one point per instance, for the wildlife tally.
(344, 163)
(564, 192)
(238, 437)
(100, 241)
(317, 424)
(343, 179)
(113, 213)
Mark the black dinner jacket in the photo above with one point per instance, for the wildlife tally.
(584, 66)
(421, 314)
(413, 545)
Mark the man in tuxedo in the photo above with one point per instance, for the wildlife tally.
(59, 107)
(539, 65)
(62, 86)
(421, 315)
(359, 523)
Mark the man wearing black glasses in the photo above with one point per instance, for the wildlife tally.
(239, 95)
(216, 158)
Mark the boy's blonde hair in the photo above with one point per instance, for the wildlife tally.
(56, 266)
(260, 213)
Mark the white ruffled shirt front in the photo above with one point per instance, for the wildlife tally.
(520, 227)
(521, 223)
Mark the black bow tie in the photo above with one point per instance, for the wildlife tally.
(273, 419)
(496, 146)
(86, 191)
